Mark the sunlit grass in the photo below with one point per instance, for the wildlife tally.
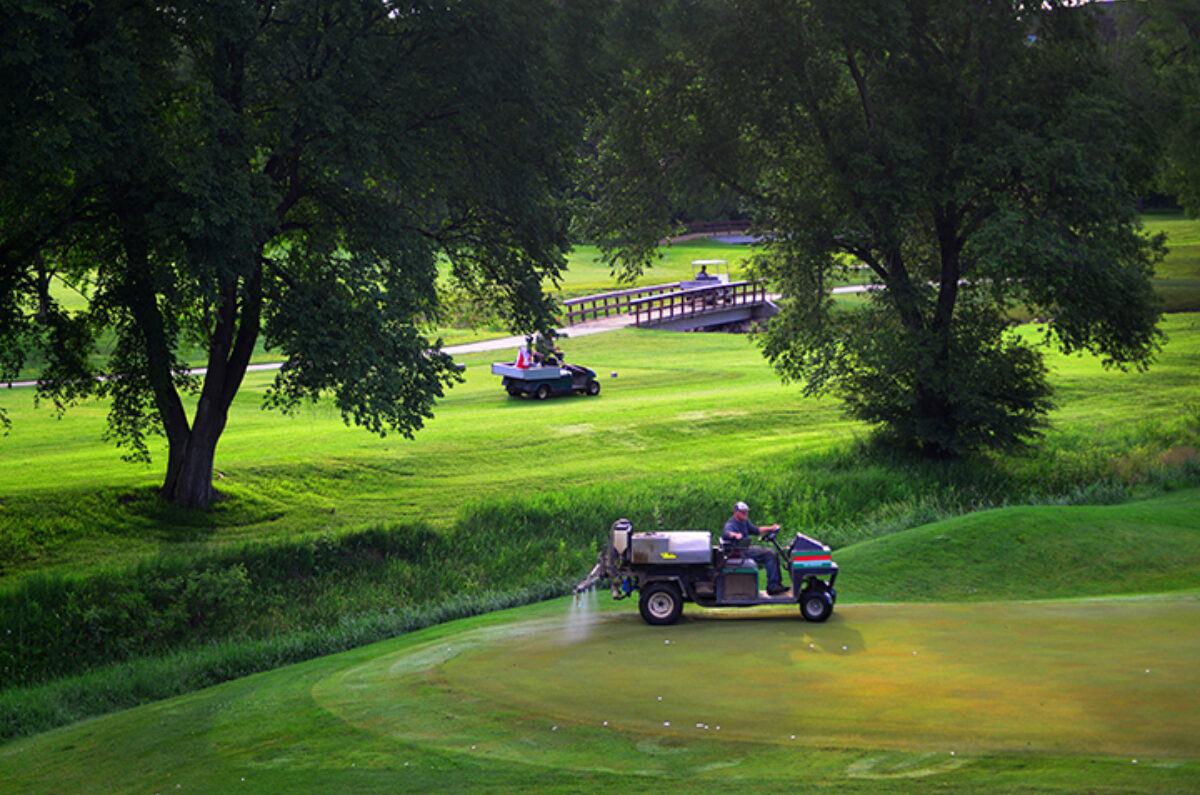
(1177, 277)
(700, 405)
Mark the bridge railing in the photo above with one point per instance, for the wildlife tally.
(696, 301)
(619, 302)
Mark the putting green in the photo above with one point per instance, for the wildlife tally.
(1095, 677)
(1016, 697)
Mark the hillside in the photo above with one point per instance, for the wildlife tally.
(992, 696)
(1044, 552)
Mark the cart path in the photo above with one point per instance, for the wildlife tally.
(578, 330)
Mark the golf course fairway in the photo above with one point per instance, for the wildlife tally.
(1099, 694)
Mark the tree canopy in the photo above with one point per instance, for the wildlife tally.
(1170, 42)
(972, 156)
(217, 173)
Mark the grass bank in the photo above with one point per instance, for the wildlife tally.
(917, 696)
(698, 407)
(85, 643)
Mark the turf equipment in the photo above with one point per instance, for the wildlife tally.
(542, 375)
(683, 566)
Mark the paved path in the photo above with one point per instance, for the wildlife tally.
(578, 330)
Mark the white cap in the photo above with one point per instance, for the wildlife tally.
(741, 506)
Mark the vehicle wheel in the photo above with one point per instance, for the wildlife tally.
(815, 605)
(543, 392)
(593, 388)
(661, 604)
(514, 392)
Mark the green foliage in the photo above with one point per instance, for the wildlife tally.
(970, 166)
(1166, 36)
(987, 390)
(62, 624)
(284, 173)
(111, 687)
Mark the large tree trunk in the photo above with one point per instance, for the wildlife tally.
(142, 301)
(191, 484)
(189, 479)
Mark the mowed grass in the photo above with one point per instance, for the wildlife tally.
(1097, 694)
(1025, 552)
(587, 274)
(696, 405)
(1177, 277)
(706, 399)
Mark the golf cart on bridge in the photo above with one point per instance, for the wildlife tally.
(706, 273)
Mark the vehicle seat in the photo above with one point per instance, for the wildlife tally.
(734, 560)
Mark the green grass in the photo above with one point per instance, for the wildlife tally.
(690, 421)
(705, 399)
(1177, 281)
(911, 696)
(1028, 552)
(1177, 277)
(586, 274)
(310, 473)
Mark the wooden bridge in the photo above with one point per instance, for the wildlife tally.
(680, 306)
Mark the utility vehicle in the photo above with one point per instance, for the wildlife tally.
(540, 377)
(670, 568)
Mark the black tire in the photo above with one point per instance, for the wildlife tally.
(543, 392)
(815, 605)
(660, 604)
(514, 392)
(593, 388)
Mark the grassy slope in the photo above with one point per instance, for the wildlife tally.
(1034, 553)
(705, 399)
(670, 401)
(1036, 697)
(1177, 278)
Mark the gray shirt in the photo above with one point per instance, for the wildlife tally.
(735, 525)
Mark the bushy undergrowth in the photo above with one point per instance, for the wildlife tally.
(62, 624)
(73, 644)
(29, 710)
(854, 494)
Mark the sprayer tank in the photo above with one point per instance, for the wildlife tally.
(684, 547)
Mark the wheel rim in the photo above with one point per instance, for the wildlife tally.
(814, 606)
(660, 605)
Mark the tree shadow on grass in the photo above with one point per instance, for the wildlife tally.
(161, 519)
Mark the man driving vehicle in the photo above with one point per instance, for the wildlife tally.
(736, 535)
